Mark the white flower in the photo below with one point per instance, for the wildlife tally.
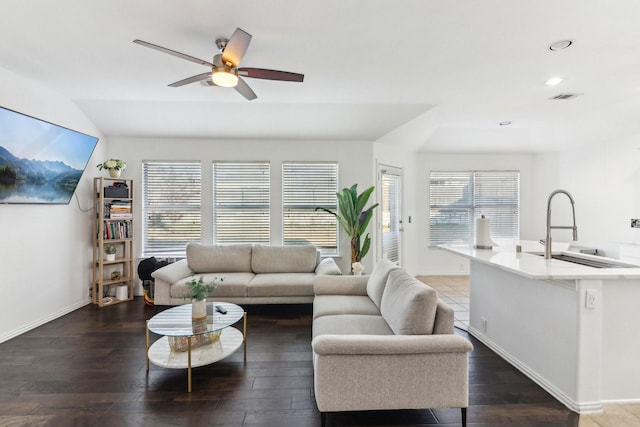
(356, 267)
(116, 164)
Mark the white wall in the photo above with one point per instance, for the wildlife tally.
(604, 181)
(45, 250)
(435, 261)
(354, 158)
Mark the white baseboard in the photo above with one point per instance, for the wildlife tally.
(579, 407)
(621, 402)
(41, 321)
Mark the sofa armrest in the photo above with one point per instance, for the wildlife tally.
(173, 272)
(358, 372)
(162, 294)
(389, 344)
(340, 285)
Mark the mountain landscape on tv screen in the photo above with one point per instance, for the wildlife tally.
(35, 181)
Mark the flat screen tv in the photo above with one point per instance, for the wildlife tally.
(40, 162)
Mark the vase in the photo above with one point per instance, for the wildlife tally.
(115, 173)
(198, 308)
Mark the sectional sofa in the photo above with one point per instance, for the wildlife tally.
(251, 274)
(385, 341)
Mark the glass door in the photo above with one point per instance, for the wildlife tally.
(390, 229)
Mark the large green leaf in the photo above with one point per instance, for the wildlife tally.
(368, 214)
(365, 246)
(363, 198)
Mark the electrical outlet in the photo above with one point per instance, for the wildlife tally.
(484, 324)
(591, 298)
(635, 223)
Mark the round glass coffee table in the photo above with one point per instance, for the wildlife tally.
(189, 343)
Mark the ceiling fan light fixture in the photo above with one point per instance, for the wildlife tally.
(225, 77)
(554, 81)
(223, 70)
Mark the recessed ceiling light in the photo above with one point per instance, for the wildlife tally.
(560, 45)
(553, 81)
(505, 123)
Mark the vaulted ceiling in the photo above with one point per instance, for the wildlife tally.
(431, 75)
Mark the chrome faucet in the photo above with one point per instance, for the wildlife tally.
(547, 243)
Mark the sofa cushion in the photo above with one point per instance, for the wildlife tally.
(378, 279)
(326, 305)
(408, 305)
(350, 324)
(328, 267)
(219, 259)
(231, 285)
(281, 284)
(284, 259)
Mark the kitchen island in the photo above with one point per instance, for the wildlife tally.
(571, 328)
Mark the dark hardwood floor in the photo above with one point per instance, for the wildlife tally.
(88, 369)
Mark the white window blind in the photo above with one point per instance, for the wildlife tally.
(390, 201)
(305, 186)
(241, 202)
(171, 207)
(456, 199)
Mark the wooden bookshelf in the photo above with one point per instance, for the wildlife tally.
(112, 225)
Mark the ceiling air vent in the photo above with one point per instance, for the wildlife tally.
(565, 96)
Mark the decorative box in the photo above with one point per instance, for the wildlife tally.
(116, 192)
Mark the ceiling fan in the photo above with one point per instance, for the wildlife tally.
(224, 69)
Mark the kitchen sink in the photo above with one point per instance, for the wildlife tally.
(589, 262)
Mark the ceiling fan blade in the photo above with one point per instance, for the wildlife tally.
(262, 73)
(174, 53)
(236, 47)
(193, 79)
(243, 89)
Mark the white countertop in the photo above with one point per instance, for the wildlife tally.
(534, 266)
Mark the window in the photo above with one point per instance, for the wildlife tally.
(305, 186)
(456, 199)
(241, 202)
(171, 207)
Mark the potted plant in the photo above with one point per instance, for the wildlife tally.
(198, 292)
(110, 252)
(114, 166)
(354, 218)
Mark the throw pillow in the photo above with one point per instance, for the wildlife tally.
(328, 266)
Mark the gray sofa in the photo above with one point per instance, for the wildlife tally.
(385, 341)
(251, 274)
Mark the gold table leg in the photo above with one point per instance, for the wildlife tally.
(244, 336)
(189, 363)
(147, 352)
